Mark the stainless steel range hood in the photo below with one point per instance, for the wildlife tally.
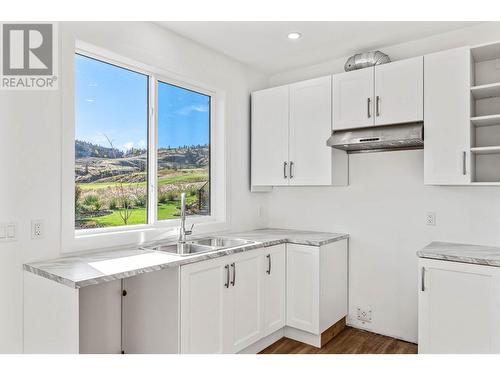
(379, 138)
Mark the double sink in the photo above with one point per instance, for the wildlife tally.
(201, 245)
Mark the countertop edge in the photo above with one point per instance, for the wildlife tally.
(30, 267)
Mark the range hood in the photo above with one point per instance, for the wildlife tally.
(379, 138)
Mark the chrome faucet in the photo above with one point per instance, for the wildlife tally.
(181, 243)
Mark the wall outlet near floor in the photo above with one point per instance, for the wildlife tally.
(430, 218)
(364, 315)
(37, 229)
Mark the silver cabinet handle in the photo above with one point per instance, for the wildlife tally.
(227, 275)
(464, 163)
(377, 111)
(284, 169)
(369, 100)
(234, 274)
(291, 169)
(268, 256)
(422, 286)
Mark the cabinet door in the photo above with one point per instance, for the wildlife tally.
(399, 92)
(447, 117)
(274, 288)
(459, 305)
(204, 295)
(302, 287)
(270, 137)
(310, 127)
(243, 322)
(353, 99)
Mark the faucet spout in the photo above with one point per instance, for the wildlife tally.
(182, 231)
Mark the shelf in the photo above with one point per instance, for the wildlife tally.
(486, 120)
(486, 91)
(486, 150)
(486, 52)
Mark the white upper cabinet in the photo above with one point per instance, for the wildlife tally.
(310, 127)
(353, 99)
(290, 126)
(399, 92)
(447, 117)
(382, 95)
(270, 115)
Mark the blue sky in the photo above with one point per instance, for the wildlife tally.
(111, 101)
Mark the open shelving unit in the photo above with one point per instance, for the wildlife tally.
(485, 114)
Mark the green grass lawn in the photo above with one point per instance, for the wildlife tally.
(195, 176)
(166, 211)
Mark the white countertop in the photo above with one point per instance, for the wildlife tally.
(101, 266)
(457, 252)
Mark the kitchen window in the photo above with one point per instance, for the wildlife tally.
(140, 141)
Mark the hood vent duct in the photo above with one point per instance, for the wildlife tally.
(379, 138)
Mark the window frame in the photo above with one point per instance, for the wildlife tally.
(73, 239)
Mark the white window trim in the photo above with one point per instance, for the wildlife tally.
(90, 239)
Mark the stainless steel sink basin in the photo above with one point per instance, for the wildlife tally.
(221, 242)
(189, 248)
(201, 245)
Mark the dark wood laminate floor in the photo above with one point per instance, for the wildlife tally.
(349, 341)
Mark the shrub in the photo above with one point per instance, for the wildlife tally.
(141, 200)
(162, 197)
(93, 201)
(172, 196)
(113, 204)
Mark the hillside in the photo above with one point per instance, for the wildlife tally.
(97, 164)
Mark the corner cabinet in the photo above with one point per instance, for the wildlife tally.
(381, 95)
(458, 308)
(290, 126)
(316, 286)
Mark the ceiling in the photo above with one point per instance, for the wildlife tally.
(265, 46)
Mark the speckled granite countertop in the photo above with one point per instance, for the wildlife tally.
(456, 252)
(90, 268)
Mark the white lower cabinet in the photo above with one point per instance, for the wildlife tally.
(274, 289)
(316, 286)
(231, 302)
(458, 308)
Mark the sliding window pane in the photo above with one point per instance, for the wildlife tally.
(111, 138)
(183, 151)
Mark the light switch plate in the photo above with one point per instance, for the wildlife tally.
(8, 232)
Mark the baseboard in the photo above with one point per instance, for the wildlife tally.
(364, 327)
(303, 336)
(263, 343)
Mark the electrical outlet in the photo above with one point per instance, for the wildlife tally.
(37, 229)
(8, 232)
(430, 218)
(364, 315)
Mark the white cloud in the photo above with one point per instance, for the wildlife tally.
(128, 146)
(193, 108)
(141, 143)
(90, 100)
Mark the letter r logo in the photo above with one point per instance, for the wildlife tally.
(27, 49)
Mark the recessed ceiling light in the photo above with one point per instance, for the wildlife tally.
(295, 35)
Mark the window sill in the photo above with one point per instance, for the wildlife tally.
(137, 235)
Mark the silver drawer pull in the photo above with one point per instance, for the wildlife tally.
(268, 256)
(422, 286)
(227, 275)
(234, 274)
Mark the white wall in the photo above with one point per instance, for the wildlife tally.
(384, 208)
(30, 149)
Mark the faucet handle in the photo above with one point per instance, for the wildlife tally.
(190, 231)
